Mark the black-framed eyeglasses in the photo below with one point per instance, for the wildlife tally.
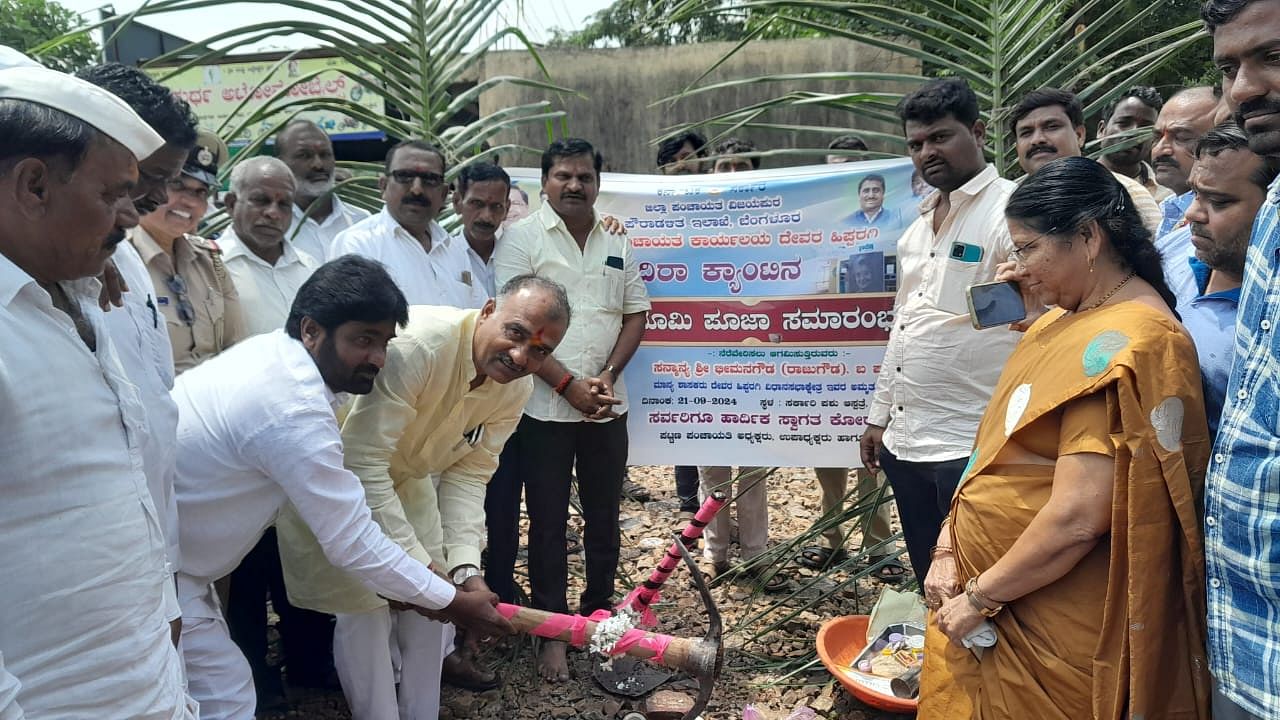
(178, 286)
(406, 177)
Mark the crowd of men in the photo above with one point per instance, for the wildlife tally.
(339, 410)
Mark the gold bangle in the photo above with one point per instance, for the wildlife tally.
(985, 597)
(940, 550)
(979, 601)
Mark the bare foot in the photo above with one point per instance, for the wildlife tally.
(553, 663)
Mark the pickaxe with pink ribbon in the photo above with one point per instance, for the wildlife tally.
(701, 657)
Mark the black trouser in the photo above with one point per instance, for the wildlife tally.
(687, 487)
(541, 456)
(923, 492)
(306, 637)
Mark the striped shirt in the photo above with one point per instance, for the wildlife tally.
(1242, 493)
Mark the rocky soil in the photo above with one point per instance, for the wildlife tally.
(750, 674)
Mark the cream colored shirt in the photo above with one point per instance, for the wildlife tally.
(422, 421)
(1157, 191)
(938, 372)
(266, 291)
(1146, 205)
(603, 282)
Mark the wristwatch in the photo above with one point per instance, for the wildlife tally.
(463, 573)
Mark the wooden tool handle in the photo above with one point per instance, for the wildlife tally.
(689, 655)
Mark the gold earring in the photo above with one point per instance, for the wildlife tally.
(1090, 264)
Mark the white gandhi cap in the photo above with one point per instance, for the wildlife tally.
(12, 58)
(83, 100)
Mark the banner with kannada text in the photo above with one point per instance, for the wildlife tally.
(772, 300)
(216, 92)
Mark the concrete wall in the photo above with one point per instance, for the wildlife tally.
(619, 86)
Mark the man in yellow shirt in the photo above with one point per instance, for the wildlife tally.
(425, 443)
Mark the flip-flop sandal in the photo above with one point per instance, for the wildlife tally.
(821, 557)
(891, 574)
(777, 582)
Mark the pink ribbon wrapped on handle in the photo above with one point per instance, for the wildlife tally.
(649, 592)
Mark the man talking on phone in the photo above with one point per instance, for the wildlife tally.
(938, 372)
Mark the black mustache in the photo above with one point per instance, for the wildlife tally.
(1164, 160)
(365, 370)
(416, 200)
(486, 226)
(1041, 148)
(1259, 106)
(114, 238)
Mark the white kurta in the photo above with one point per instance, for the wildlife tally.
(256, 428)
(440, 277)
(141, 339)
(82, 622)
(316, 238)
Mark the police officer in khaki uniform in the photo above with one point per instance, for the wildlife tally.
(194, 291)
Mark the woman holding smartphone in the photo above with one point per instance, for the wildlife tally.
(1076, 528)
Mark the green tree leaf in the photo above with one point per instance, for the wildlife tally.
(30, 23)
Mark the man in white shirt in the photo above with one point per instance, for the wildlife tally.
(83, 628)
(138, 329)
(319, 215)
(267, 270)
(482, 200)
(428, 265)
(424, 444)
(257, 428)
(578, 409)
(938, 372)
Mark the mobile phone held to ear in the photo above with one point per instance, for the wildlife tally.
(995, 303)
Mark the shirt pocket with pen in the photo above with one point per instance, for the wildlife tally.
(611, 284)
(470, 440)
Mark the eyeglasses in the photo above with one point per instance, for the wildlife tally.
(1020, 254)
(178, 287)
(406, 177)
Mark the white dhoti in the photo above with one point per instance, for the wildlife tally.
(363, 645)
(218, 675)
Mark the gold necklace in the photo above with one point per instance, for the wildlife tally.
(1108, 296)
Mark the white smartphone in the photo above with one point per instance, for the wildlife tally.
(994, 304)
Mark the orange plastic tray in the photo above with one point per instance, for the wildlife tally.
(839, 642)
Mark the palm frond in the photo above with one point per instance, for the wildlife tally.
(1003, 49)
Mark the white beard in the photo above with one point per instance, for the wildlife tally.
(315, 189)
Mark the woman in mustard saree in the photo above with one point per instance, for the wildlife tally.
(1076, 528)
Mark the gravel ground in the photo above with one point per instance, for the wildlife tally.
(747, 677)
